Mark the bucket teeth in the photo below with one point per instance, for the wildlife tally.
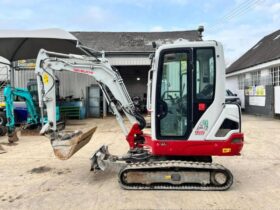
(12, 137)
(68, 144)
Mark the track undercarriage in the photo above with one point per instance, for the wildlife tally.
(140, 171)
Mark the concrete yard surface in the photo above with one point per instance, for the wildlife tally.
(32, 178)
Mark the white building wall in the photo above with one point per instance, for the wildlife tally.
(232, 85)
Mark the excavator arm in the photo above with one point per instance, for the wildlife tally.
(110, 82)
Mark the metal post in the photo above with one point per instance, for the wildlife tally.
(104, 106)
(12, 76)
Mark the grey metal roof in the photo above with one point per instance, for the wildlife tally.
(267, 49)
(130, 41)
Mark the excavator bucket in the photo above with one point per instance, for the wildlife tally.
(2, 150)
(12, 137)
(64, 149)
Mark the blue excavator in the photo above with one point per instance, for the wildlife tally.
(33, 119)
(33, 122)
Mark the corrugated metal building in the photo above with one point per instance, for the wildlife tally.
(70, 84)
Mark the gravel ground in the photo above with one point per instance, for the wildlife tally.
(32, 178)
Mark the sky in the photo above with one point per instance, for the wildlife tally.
(238, 24)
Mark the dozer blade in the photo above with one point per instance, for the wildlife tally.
(34, 129)
(30, 132)
(12, 137)
(64, 149)
(2, 150)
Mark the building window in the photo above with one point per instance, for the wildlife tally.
(241, 82)
(256, 78)
(265, 77)
(275, 73)
(260, 77)
(248, 80)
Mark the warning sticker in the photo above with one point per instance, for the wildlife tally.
(45, 78)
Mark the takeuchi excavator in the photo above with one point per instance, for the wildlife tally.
(190, 121)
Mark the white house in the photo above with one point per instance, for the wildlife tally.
(255, 77)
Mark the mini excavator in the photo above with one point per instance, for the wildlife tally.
(33, 117)
(190, 121)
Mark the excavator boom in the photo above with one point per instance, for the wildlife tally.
(109, 81)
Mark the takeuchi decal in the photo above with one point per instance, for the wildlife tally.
(202, 127)
(83, 71)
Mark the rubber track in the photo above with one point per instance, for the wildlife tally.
(175, 164)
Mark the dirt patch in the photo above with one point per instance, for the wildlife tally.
(9, 198)
(64, 171)
(45, 169)
(40, 170)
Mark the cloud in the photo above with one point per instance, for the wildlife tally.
(20, 3)
(23, 14)
(271, 8)
(241, 32)
(239, 39)
(147, 3)
(157, 29)
(276, 7)
(96, 13)
(207, 6)
(93, 18)
(179, 2)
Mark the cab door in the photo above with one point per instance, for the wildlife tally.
(174, 94)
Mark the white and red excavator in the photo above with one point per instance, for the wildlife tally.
(190, 121)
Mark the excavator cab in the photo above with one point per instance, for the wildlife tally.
(185, 89)
(187, 102)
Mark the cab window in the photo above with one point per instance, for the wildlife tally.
(205, 70)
